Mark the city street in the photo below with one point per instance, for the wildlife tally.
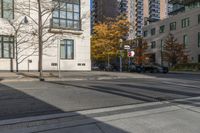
(108, 106)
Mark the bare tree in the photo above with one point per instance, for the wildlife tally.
(39, 13)
(23, 35)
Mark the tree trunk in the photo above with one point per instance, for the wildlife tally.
(108, 61)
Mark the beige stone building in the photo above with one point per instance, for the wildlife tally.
(184, 26)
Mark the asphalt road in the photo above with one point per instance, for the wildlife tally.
(22, 99)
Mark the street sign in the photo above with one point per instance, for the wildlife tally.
(131, 54)
(29, 61)
(127, 47)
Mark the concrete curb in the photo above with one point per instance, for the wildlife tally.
(60, 79)
(177, 72)
(24, 79)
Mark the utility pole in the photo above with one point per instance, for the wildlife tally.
(40, 43)
(121, 42)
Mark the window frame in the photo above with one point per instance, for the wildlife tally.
(66, 19)
(199, 19)
(199, 58)
(172, 26)
(185, 22)
(11, 49)
(185, 42)
(153, 44)
(145, 33)
(65, 47)
(2, 10)
(154, 33)
(162, 29)
(198, 39)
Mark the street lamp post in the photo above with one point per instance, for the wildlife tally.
(120, 41)
(58, 58)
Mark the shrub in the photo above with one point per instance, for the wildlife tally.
(187, 67)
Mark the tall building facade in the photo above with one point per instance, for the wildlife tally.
(141, 12)
(138, 12)
(103, 9)
(185, 26)
(156, 9)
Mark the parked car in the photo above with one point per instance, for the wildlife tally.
(156, 68)
(95, 68)
(135, 68)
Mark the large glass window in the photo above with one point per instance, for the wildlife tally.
(185, 22)
(153, 44)
(153, 31)
(199, 58)
(199, 39)
(185, 40)
(199, 19)
(67, 14)
(6, 47)
(162, 29)
(7, 9)
(145, 33)
(67, 49)
(172, 26)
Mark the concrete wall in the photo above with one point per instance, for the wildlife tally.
(51, 53)
(191, 31)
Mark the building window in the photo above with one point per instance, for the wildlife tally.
(153, 31)
(199, 39)
(199, 59)
(145, 33)
(7, 9)
(6, 47)
(162, 29)
(153, 44)
(67, 15)
(185, 40)
(172, 26)
(199, 19)
(67, 49)
(185, 22)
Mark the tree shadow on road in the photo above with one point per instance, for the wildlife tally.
(180, 94)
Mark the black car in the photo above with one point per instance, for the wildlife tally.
(135, 68)
(155, 68)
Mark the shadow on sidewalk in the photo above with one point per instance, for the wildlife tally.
(17, 104)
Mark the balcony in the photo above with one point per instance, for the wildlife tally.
(183, 2)
(54, 28)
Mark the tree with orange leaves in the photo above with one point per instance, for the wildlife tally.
(105, 38)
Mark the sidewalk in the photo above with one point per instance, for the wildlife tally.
(158, 117)
(68, 76)
(185, 72)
